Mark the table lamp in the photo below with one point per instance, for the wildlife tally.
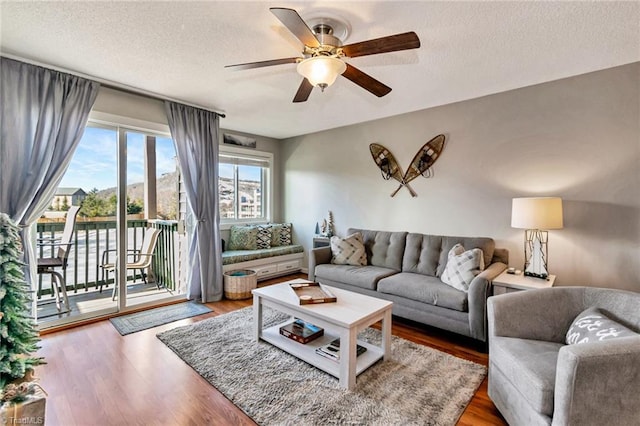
(536, 215)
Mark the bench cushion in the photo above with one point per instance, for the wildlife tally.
(237, 256)
(424, 289)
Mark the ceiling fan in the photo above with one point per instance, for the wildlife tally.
(323, 55)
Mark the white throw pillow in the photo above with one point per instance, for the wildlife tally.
(593, 326)
(348, 250)
(462, 267)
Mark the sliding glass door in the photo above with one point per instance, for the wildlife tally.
(126, 183)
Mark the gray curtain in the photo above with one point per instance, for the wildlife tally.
(195, 133)
(43, 114)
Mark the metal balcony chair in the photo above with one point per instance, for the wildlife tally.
(48, 265)
(142, 259)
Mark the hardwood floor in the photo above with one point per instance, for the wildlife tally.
(94, 376)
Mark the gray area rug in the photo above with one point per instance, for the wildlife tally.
(139, 321)
(421, 386)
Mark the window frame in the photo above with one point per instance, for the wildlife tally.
(267, 178)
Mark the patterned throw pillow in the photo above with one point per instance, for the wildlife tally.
(462, 267)
(263, 239)
(348, 251)
(280, 234)
(243, 238)
(593, 326)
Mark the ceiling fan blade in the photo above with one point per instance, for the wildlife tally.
(303, 91)
(366, 81)
(392, 43)
(260, 64)
(296, 25)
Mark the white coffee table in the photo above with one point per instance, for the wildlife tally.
(345, 318)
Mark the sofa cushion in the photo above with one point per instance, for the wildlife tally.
(424, 289)
(243, 238)
(359, 276)
(384, 249)
(462, 267)
(421, 254)
(348, 250)
(530, 365)
(592, 325)
(487, 245)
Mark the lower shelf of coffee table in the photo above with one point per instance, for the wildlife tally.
(307, 352)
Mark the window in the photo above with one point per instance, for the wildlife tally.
(244, 185)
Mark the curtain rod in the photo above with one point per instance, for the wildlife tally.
(110, 84)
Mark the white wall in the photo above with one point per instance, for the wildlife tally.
(577, 138)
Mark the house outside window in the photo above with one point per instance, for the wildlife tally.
(67, 197)
(244, 185)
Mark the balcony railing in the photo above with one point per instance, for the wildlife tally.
(92, 238)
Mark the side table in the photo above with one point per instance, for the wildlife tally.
(321, 242)
(507, 283)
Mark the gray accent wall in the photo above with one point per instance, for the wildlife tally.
(576, 138)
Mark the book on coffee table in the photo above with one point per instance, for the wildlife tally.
(301, 331)
(332, 350)
(312, 293)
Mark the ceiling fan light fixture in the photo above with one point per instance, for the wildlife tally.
(321, 71)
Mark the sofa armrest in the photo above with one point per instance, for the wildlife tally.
(477, 296)
(597, 383)
(500, 255)
(318, 256)
(543, 314)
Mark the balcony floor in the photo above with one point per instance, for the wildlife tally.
(92, 300)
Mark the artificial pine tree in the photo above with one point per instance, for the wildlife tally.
(330, 229)
(17, 328)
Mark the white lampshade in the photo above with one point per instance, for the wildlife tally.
(536, 213)
(321, 71)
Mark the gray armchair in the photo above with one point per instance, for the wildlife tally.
(536, 379)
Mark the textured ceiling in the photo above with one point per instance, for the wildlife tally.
(179, 49)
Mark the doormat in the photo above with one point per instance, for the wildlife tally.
(139, 321)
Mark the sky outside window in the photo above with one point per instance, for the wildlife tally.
(94, 164)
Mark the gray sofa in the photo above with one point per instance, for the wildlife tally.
(405, 268)
(536, 379)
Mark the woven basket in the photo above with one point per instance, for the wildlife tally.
(238, 284)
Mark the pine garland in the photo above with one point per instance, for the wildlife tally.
(17, 328)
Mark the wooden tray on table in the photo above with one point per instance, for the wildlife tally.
(309, 293)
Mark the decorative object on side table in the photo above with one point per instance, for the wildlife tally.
(508, 282)
(20, 397)
(536, 215)
(327, 229)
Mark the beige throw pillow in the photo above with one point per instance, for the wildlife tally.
(348, 250)
(462, 267)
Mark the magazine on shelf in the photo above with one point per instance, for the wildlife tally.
(332, 350)
(301, 331)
